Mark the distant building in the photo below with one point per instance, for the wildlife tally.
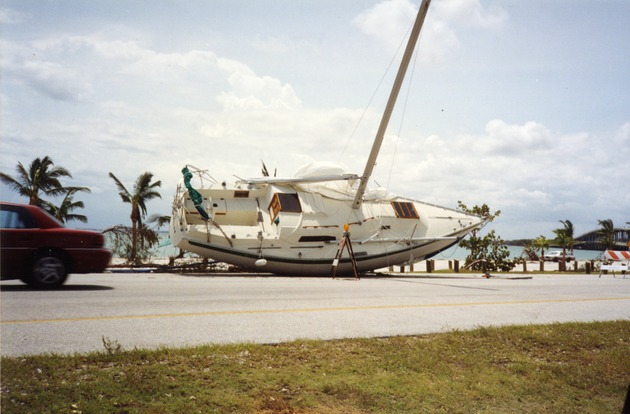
(590, 240)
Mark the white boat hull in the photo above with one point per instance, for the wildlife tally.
(286, 227)
(316, 267)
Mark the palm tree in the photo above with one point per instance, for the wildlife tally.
(159, 220)
(569, 231)
(63, 211)
(563, 239)
(40, 177)
(143, 191)
(606, 233)
(542, 243)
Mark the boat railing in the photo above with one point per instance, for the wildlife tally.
(203, 176)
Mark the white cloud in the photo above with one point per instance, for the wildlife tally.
(525, 170)
(471, 13)
(54, 79)
(10, 16)
(157, 111)
(389, 21)
(252, 92)
(622, 138)
(504, 138)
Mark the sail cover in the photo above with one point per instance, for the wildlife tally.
(337, 185)
(322, 169)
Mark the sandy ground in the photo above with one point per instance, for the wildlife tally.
(530, 266)
(438, 265)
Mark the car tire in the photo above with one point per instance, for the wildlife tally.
(48, 272)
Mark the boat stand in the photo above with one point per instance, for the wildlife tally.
(347, 244)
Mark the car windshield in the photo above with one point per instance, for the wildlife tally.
(24, 217)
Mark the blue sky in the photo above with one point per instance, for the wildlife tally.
(524, 106)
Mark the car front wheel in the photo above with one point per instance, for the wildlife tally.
(47, 272)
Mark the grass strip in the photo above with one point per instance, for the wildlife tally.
(559, 368)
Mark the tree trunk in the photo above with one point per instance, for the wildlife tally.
(563, 262)
(134, 241)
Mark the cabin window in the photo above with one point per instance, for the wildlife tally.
(241, 194)
(288, 203)
(405, 210)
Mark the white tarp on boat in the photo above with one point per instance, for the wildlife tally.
(335, 188)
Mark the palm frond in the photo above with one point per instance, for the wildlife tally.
(77, 217)
(11, 182)
(159, 220)
(122, 190)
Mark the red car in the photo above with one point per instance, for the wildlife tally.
(37, 249)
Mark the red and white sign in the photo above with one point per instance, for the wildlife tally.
(617, 255)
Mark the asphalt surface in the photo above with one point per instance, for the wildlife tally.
(154, 310)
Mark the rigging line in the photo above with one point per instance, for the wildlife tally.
(455, 250)
(356, 127)
(402, 119)
(402, 42)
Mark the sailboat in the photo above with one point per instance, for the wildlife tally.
(298, 225)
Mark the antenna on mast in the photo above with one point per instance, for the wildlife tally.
(402, 70)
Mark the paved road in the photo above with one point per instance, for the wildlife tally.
(151, 310)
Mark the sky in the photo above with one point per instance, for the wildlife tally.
(521, 105)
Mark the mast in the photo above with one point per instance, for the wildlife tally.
(402, 70)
